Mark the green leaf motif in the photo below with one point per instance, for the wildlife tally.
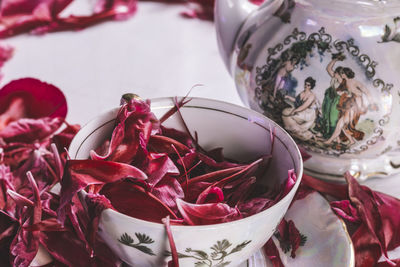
(239, 247)
(221, 246)
(200, 254)
(144, 249)
(217, 256)
(201, 264)
(143, 238)
(127, 240)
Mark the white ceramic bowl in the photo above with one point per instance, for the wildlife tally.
(244, 135)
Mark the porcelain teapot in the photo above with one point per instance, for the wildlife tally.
(328, 71)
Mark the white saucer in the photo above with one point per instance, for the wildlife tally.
(328, 242)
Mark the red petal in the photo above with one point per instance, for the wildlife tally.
(158, 166)
(104, 10)
(212, 194)
(129, 139)
(365, 201)
(29, 130)
(345, 210)
(163, 144)
(80, 173)
(40, 99)
(134, 200)
(336, 190)
(204, 214)
(63, 139)
(168, 190)
(272, 252)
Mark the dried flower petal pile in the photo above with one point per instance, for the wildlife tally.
(32, 118)
(149, 172)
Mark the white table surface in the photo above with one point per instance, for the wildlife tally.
(156, 53)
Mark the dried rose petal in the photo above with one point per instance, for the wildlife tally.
(41, 16)
(212, 194)
(25, 15)
(254, 205)
(378, 215)
(135, 122)
(29, 130)
(63, 139)
(71, 251)
(158, 166)
(345, 210)
(103, 11)
(135, 200)
(163, 144)
(80, 173)
(196, 184)
(39, 100)
(336, 190)
(272, 252)
(381, 221)
(204, 214)
(168, 190)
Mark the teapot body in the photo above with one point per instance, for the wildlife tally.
(329, 73)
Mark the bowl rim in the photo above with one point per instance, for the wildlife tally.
(203, 101)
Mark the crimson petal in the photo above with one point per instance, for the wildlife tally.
(204, 214)
(158, 166)
(345, 210)
(134, 200)
(29, 130)
(168, 190)
(129, 139)
(40, 99)
(80, 173)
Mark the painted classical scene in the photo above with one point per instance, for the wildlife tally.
(320, 93)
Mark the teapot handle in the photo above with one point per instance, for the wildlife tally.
(230, 16)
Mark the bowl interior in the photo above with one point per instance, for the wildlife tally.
(243, 134)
